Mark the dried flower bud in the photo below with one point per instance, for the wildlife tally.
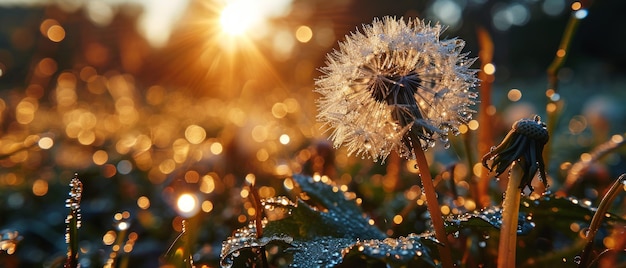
(524, 143)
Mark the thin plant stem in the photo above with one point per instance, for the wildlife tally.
(485, 112)
(72, 254)
(433, 207)
(258, 220)
(73, 221)
(579, 168)
(605, 203)
(510, 212)
(555, 103)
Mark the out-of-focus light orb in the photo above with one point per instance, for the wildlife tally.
(397, 219)
(553, 7)
(207, 185)
(122, 226)
(581, 14)
(187, 204)
(448, 11)
(109, 238)
(143, 202)
(207, 206)
(195, 134)
(99, 12)
(514, 95)
(473, 124)
(489, 69)
(304, 34)
(284, 139)
(100, 157)
(239, 16)
(40, 187)
(124, 167)
(45, 143)
(216, 148)
(56, 33)
(507, 16)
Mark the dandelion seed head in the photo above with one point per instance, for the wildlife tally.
(392, 81)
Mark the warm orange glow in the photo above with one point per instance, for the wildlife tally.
(514, 95)
(489, 69)
(187, 204)
(397, 219)
(238, 16)
(56, 33)
(40, 187)
(143, 202)
(304, 34)
(45, 143)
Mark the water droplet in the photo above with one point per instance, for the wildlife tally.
(577, 259)
(367, 145)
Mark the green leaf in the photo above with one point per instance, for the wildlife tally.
(327, 212)
(566, 209)
(324, 229)
(486, 219)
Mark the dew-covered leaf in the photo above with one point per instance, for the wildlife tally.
(487, 218)
(332, 214)
(395, 251)
(246, 239)
(321, 229)
(566, 209)
(319, 252)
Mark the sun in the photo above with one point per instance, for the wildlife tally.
(238, 17)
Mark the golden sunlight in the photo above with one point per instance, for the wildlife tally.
(239, 16)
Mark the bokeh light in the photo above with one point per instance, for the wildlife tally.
(187, 204)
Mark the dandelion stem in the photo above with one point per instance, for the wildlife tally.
(605, 203)
(510, 212)
(433, 207)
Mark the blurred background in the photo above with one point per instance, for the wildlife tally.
(149, 100)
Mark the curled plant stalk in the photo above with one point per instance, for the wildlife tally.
(521, 150)
(579, 168)
(73, 221)
(605, 203)
(396, 86)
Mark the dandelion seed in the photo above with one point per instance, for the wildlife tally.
(393, 79)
